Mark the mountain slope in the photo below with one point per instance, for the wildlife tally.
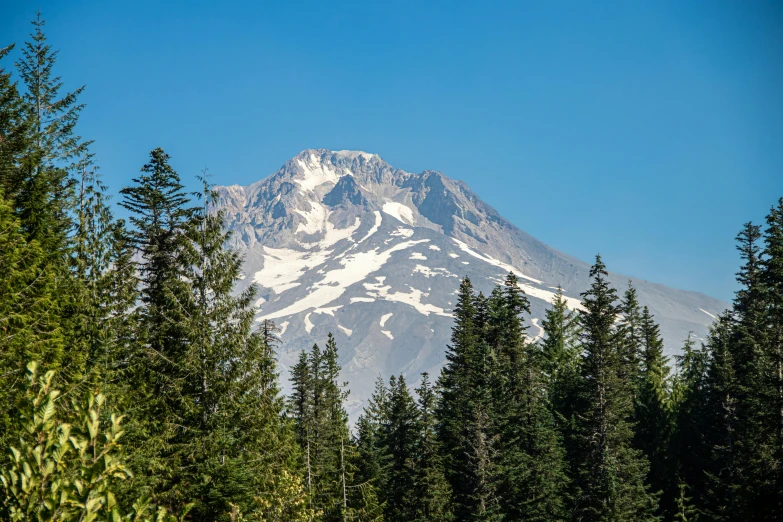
(342, 242)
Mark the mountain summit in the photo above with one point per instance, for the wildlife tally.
(342, 242)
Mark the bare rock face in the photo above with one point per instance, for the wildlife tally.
(341, 242)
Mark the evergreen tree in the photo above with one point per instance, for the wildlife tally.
(612, 475)
(688, 446)
(236, 441)
(654, 422)
(632, 339)
(399, 437)
(432, 492)
(561, 359)
(372, 455)
(45, 197)
(720, 425)
(531, 458)
(30, 326)
(767, 462)
(15, 133)
(466, 429)
(160, 216)
(321, 425)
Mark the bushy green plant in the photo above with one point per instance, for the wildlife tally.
(67, 460)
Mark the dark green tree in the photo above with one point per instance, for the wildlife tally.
(767, 461)
(432, 491)
(532, 464)
(15, 133)
(160, 215)
(720, 425)
(30, 325)
(466, 428)
(632, 339)
(561, 359)
(688, 447)
(653, 413)
(330, 455)
(612, 474)
(399, 438)
(45, 197)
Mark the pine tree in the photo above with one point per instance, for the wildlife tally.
(561, 359)
(768, 461)
(15, 133)
(612, 474)
(688, 446)
(720, 425)
(30, 326)
(236, 442)
(432, 492)
(466, 429)
(632, 339)
(684, 510)
(45, 197)
(532, 464)
(330, 456)
(399, 437)
(653, 413)
(372, 455)
(160, 216)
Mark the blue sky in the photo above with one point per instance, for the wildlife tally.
(646, 131)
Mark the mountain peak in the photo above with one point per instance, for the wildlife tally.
(342, 242)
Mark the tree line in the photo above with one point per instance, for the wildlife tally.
(136, 385)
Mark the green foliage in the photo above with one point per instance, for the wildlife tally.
(612, 474)
(67, 471)
(466, 429)
(332, 463)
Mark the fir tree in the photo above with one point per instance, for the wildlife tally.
(399, 437)
(30, 313)
(160, 216)
(561, 359)
(15, 133)
(612, 475)
(632, 339)
(466, 429)
(654, 422)
(768, 462)
(720, 425)
(45, 197)
(236, 442)
(688, 446)
(533, 474)
(432, 492)
(372, 455)
(321, 425)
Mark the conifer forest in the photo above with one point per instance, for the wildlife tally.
(135, 384)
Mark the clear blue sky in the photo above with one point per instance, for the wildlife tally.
(648, 131)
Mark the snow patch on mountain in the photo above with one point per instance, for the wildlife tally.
(399, 211)
(492, 261)
(375, 227)
(308, 324)
(355, 268)
(316, 173)
(346, 331)
(706, 312)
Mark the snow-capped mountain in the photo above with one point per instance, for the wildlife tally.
(342, 242)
